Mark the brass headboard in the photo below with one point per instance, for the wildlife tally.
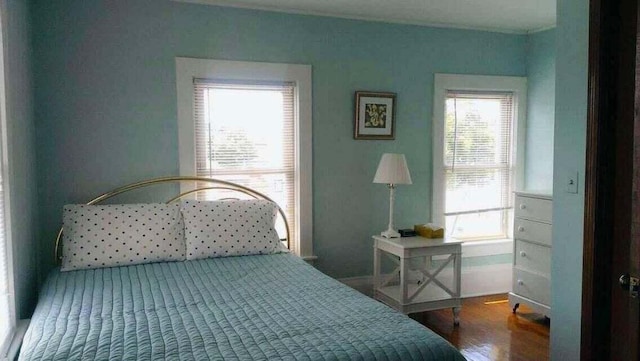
(212, 184)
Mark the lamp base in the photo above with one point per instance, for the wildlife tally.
(390, 233)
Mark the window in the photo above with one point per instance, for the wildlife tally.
(477, 165)
(249, 123)
(249, 145)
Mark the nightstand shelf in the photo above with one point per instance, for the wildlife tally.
(398, 291)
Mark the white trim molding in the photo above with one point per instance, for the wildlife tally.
(486, 280)
(16, 341)
(487, 248)
(5, 169)
(189, 68)
(367, 16)
(476, 281)
(484, 248)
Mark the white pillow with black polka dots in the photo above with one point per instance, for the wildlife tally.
(121, 234)
(230, 228)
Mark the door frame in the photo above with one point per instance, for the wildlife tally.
(606, 55)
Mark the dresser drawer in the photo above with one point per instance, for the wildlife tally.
(531, 286)
(532, 231)
(533, 257)
(534, 208)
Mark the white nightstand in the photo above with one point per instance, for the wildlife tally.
(431, 293)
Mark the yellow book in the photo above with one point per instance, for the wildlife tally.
(429, 230)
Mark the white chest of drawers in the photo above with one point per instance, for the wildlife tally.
(532, 252)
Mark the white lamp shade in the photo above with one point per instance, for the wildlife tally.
(392, 170)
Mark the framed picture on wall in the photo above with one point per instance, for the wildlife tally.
(375, 115)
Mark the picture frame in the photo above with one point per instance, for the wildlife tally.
(375, 115)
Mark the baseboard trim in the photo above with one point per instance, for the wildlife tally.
(476, 281)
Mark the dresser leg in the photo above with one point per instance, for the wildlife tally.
(456, 316)
(515, 307)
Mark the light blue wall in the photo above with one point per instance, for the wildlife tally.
(541, 75)
(105, 113)
(106, 102)
(569, 157)
(22, 171)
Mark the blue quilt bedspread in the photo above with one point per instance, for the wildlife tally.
(236, 308)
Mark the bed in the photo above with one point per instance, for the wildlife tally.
(264, 306)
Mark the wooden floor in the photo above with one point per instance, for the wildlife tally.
(490, 331)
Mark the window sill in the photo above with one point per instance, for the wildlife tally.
(487, 248)
(484, 248)
(16, 340)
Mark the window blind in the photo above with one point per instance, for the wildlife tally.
(245, 133)
(478, 162)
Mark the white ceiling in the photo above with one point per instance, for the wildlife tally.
(512, 16)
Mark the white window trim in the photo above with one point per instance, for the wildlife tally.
(5, 179)
(189, 68)
(445, 82)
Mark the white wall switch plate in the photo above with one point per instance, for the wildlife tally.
(571, 182)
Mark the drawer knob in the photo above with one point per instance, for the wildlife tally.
(520, 229)
(523, 206)
(520, 283)
(523, 254)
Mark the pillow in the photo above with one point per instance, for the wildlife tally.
(121, 234)
(230, 228)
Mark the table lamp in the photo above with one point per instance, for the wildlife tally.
(392, 170)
